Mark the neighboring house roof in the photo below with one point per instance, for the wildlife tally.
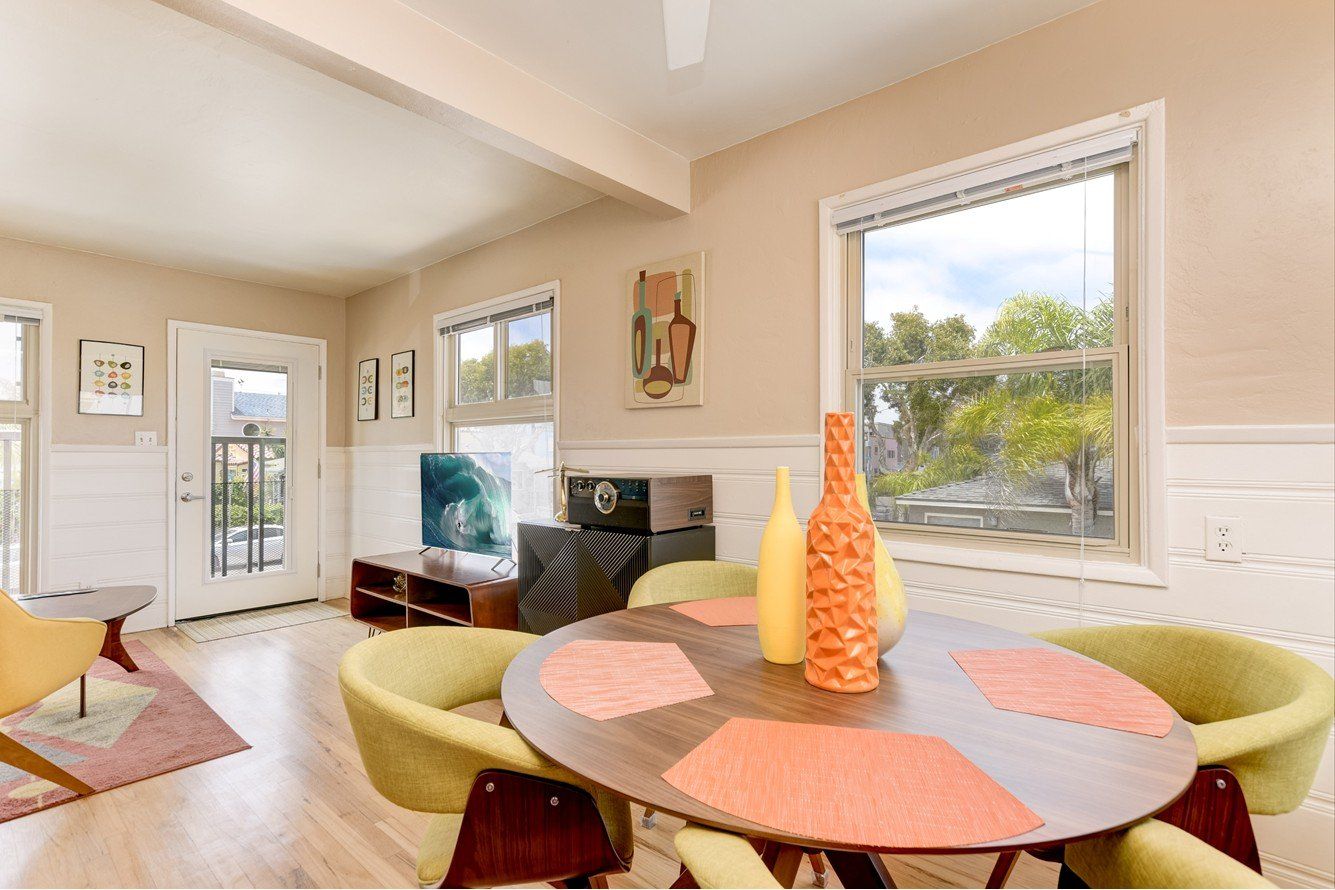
(990, 490)
(266, 405)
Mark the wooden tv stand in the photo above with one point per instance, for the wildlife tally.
(444, 588)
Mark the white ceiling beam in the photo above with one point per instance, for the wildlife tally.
(391, 51)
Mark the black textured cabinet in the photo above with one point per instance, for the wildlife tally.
(567, 573)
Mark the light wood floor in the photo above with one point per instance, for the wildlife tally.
(295, 810)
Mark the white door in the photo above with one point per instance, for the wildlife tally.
(247, 447)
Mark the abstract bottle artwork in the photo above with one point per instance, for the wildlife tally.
(666, 315)
(111, 378)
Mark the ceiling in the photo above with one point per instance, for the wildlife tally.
(767, 62)
(131, 130)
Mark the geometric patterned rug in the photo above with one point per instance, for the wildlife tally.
(138, 725)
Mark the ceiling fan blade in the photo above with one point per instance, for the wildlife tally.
(685, 27)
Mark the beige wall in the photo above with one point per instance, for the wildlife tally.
(97, 297)
(1250, 263)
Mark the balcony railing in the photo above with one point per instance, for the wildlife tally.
(248, 506)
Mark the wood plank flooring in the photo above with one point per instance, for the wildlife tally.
(296, 809)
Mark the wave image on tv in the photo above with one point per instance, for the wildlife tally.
(466, 502)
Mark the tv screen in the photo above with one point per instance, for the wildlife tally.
(466, 502)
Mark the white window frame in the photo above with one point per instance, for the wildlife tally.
(502, 410)
(35, 411)
(1150, 566)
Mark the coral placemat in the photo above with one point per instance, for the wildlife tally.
(1065, 686)
(851, 786)
(724, 612)
(603, 679)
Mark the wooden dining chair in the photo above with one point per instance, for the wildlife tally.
(37, 657)
(699, 580)
(1260, 715)
(504, 813)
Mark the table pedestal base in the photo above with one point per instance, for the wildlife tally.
(112, 649)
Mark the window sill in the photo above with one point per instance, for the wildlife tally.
(1024, 563)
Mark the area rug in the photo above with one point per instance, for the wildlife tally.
(138, 725)
(238, 624)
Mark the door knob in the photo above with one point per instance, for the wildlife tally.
(187, 497)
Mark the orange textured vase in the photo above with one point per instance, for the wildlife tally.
(841, 573)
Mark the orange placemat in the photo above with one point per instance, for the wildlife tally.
(603, 679)
(851, 786)
(724, 612)
(1065, 686)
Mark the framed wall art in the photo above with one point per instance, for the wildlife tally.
(665, 319)
(111, 378)
(401, 383)
(368, 389)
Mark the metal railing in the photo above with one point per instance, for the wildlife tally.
(248, 492)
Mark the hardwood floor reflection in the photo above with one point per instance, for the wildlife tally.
(296, 810)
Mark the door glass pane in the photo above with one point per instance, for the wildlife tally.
(11, 506)
(1028, 451)
(531, 448)
(528, 360)
(476, 357)
(248, 439)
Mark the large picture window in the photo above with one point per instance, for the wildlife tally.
(18, 413)
(499, 383)
(991, 348)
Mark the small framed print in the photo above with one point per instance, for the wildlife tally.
(368, 389)
(111, 378)
(401, 383)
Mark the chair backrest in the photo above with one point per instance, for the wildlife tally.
(692, 580)
(1278, 703)
(398, 689)
(40, 655)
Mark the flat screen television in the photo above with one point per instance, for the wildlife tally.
(466, 502)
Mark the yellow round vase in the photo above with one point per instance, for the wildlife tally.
(892, 605)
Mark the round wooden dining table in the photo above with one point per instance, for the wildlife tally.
(1083, 781)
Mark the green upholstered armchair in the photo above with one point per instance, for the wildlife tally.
(692, 580)
(1260, 715)
(1156, 854)
(489, 790)
(720, 860)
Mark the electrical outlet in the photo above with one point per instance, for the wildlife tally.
(143, 438)
(1223, 538)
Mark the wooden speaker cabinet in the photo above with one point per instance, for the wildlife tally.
(567, 573)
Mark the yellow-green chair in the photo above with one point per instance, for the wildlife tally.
(37, 657)
(1260, 716)
(1156, 854)
(720, 860)
(504, 813)
(692, 580)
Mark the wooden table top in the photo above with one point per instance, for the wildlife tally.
(1082, 780)
(103, 604)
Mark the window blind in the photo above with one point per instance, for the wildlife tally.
(19, 318)
(1068, 162)
(481, 321)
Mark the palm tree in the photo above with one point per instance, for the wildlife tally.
(1027, 421)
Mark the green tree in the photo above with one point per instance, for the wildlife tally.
(921, 407)
(528, 370)
(1026, 421)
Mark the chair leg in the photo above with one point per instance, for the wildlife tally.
(649, 819)
(1001, 872)
(818, 868)
(18, 756)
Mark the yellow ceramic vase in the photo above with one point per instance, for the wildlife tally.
(781, 588)
(892, 606)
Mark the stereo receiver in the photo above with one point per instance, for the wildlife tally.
(642, 503)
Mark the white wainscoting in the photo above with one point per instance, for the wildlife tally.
(384, 499)
(1278, 480)
(334, 561)
(107, 522)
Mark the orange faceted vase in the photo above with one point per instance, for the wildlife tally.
(841, 573)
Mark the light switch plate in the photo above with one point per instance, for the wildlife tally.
(145, 437)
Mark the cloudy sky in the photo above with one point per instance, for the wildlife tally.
(1059, 240)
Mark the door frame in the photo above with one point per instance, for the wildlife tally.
(174, 328)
